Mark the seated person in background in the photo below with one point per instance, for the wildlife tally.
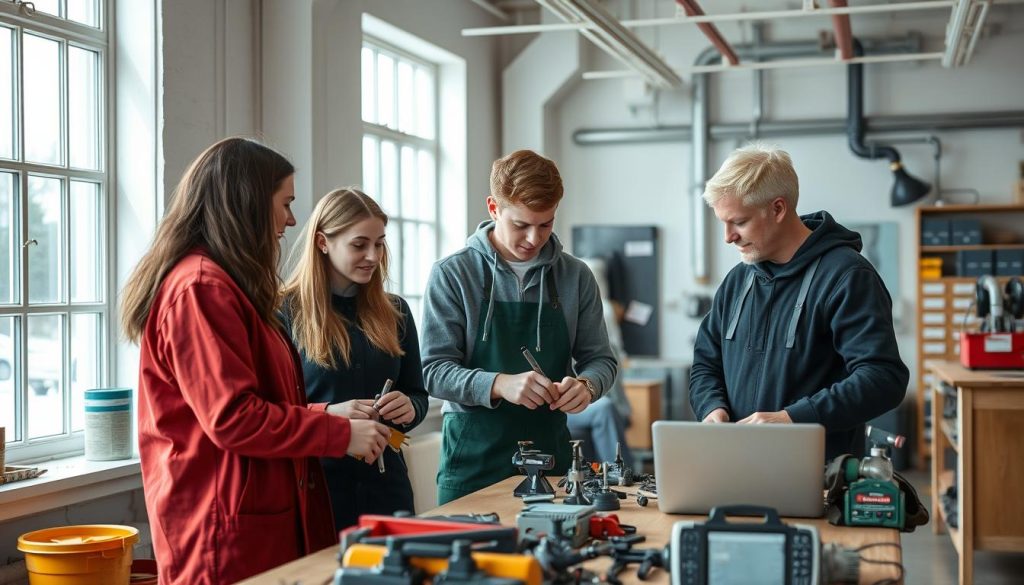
(801, 330)
(604, 423)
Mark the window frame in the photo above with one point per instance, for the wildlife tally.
(99, 40)
(383, 133)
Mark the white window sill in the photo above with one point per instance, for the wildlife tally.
(66, 482)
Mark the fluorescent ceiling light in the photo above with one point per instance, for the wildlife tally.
(963, 30)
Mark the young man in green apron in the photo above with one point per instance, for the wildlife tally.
(511, 287)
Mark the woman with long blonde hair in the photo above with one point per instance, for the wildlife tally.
(227, 440)
(353, 337)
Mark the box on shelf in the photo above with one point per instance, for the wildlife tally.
(974, 262)
(930, 267)
(1009, 262)
(992, 350)
(935, 232)
(965, 232)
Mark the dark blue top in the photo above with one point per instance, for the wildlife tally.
(844, 368)
(357, 488)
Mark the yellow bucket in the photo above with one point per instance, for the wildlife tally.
(96, 554)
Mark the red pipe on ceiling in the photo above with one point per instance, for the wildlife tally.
(710, 31)
(844, 35)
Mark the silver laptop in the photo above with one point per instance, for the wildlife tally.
(701, 465)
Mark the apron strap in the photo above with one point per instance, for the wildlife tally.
(739, 305)
(806, 284)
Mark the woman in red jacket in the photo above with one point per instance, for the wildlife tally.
(229, 446)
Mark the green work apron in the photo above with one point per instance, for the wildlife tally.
(478, 445)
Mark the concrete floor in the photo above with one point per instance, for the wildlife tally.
(930, 559)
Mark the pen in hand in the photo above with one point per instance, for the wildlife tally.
(387, 388)
(533, 362)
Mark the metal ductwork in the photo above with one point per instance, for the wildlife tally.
(906, 188)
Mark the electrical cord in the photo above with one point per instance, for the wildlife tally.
(898, 565)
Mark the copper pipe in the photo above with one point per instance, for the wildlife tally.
(710, 31)
(844, 35)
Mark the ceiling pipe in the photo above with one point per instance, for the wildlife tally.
(710, 31)
(844, 35)
(877, 126)
(733, 17)
(906, 189)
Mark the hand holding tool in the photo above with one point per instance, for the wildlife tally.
(533, 362)
(387, 388)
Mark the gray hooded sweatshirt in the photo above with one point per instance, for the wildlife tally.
(451, 315)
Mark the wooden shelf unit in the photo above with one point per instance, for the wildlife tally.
(989, 417)
(942, 303)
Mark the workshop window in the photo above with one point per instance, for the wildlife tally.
(54, 242)
(400, 160)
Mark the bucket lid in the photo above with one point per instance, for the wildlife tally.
(78, 539)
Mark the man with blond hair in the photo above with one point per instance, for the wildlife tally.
(801, 330)
(512, 291)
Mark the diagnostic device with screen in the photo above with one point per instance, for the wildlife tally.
(719, 552)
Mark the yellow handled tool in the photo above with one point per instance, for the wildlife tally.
(522, 567)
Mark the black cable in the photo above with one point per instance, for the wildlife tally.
(899, 566)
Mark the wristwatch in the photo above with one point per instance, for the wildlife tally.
(590, 388)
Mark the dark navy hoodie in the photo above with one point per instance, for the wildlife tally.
(843, 368)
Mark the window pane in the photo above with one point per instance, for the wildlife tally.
(83, 108)
(45, 240)
(10, 251)
(45, 376)
(84, 11)
(86, 238)
(389, 177)
(425, 103)
(85, 363)
(406, 98)
(408, 182)
(6, 93)
(427, 186)
(369, 85)
(48, 6)
(418, 255)
(393, 238)
(42, 100)
(370, 165)
(8, 400)
(385, 91)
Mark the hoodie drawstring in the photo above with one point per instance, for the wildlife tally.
(801, 298)
(739, 305)
(806, 284)
(540, 304)
(490, 302)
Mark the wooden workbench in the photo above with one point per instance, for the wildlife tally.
(318, 568)
(988, 438)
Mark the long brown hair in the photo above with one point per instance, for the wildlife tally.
(320, 331)
(224, 204)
